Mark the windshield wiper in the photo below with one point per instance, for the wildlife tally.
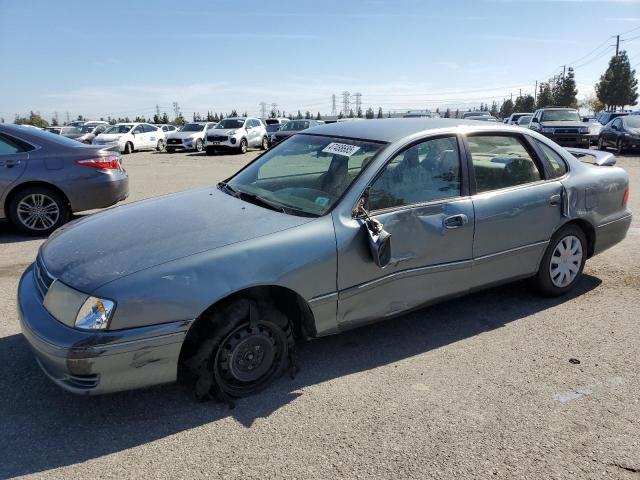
(225, 187)
(261, 201)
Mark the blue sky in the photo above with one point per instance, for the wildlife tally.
(122, 57)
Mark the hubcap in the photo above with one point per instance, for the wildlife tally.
(565, 261)
(38, 212)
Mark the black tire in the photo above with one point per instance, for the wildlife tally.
(128, 148)
(199, 145)
(210, 150)
(47, 222)
(544, 278)
(248, 346)
(619, 147)
(265, 143)
(170, 150)
(601, 145)
(160, 146)
(243, 146)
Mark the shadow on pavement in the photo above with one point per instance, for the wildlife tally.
(44, 427)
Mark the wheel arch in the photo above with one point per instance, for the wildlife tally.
(30, 184)
(289, 302)
(589, 231)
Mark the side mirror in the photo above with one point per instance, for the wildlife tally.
(379, 238)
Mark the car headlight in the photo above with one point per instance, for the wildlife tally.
(232, 133)
(94, 314)
(547, 130)
(77, 309)
(584, 130)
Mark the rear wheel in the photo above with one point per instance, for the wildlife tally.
(601, 145)
(563, 261)
(619, 146)
(128, 148)
(199, 145)
(265, 143)
(160, 145)
(38, 210)
(248, 348)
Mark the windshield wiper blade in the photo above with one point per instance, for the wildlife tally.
(224, 186)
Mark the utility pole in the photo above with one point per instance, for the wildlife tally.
(520, 94)
(334, 111)
(157, 110)
(274, 109)
(535, 93)
(564, 69)
(358, 101)
(617, 44)
(67, 117)
(263, 109)
(176, 109)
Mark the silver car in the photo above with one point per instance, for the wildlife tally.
(334, 228)
(44, 178)
(189, 137)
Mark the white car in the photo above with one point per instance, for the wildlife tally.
(132, 136)
(237, 133)
(166, 128)
(189, 137)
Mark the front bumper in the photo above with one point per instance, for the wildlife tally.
(569, 139)
(91, 363)
(230, 142)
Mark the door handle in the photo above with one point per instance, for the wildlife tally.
(9, 163)
(455, 221)
(554, 200)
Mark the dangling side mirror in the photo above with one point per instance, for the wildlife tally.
(379, 238)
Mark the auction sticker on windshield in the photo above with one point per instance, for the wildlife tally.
(341, 149)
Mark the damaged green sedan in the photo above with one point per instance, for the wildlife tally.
(339, 226)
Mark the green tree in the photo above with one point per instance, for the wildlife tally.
(359, 113)
(525, 103)
(233, 113)
(179, 120)
(379, 112)
(545, 95)
(340, 115)
(447, 113)
(164, 118)
(33, 119)
(370, 114)
(351, 115)
(457, 113)
(54, 122)
(494, 108)
(299, 115)
(438, 112)
(506, 109)
(307, 115)
(318, 116)
(618, 86)
(566, 91)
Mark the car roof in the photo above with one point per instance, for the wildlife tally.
(393, 129)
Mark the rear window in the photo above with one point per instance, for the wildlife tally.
(37, 135)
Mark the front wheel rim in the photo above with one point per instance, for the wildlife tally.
(199, 145)
(243, 147)
(565, 262)
(38, 212)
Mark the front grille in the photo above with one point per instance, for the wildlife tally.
(43, 278)
(174, 141)
(217, 138)
(565, 131)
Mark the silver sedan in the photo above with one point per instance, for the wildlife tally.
(334, 228)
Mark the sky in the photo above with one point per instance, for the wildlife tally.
(123, 57)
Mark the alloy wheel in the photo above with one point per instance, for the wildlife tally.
(565, 261)
(38, 212)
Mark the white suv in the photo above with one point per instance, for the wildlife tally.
(132, 136)
(237, 133)
(189, 137)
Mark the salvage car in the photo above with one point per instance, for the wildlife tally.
(237, 134)
(189, 137)
(562, 125)
(621, 133)
(86, 133)
(336, 227)
(291, 128)
(129, 137)
(44, 178)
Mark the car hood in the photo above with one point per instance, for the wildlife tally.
(183, 135)
(106, 246)
(222, 131)
(563, 124)
(109, 137)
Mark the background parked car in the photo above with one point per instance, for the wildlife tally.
(166, 128)
(594, 128)
(44, 178)
(524, 121)
(238, 134)
(563, 125)
(189, 137)
(129, 137)
(606, 117)
(87, 133)
(273, 124)
(514, 117)
(54, 130)
(474, 114)
(621, 133)
(291, 128)
(483, 118)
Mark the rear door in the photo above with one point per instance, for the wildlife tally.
(517, 204)
(13, 161)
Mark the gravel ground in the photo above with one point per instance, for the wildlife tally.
(479, 387)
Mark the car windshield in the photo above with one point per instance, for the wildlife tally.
(560, 116)
(525, 120)
(71, 130)
(88, 129)
(295, 125)
(631, 121)
(306, 175)
(192, 127)
(230, 123)
(118, 129)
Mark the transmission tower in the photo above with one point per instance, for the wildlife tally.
(345, 103)
(263, 109)
(274, 109)
(176, 109)
(334, 112)
(358, 101)
(157, 110)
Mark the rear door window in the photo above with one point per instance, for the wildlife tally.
(557, 164)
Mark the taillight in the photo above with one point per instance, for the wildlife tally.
(625, 196)
(104, 162)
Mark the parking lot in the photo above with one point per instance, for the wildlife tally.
(498, 384)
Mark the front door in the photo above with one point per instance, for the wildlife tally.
(420, 198)
(517, 203)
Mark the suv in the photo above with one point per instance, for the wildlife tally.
(237, 133)
(563, 125)
(606, 117)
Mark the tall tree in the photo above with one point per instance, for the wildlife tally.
(379, 112)
(307, 115)
(359, 112)
(457, 114)
(545, 95)
(33, 119)
(525, 103)
(369, 114)
(494, 109)
(318, 117)
(506, 109)
(447, 113)
(566, 91)
(351, 115)
(618, 85)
